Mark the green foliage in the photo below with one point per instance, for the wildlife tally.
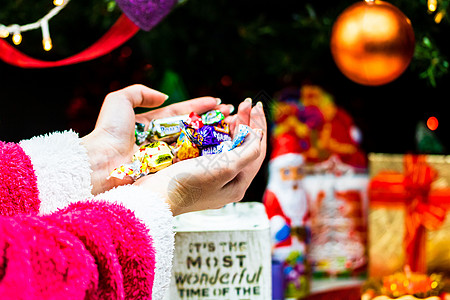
(429, 62)
(429, 59)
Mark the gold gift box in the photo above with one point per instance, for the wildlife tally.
(387, 223)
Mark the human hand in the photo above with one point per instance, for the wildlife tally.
(112, 142)
(211, 181)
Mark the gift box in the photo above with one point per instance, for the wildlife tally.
(409, 200)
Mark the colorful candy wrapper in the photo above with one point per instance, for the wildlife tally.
(154, 157)
(243, 130)
(132, 170)
(166, 129)
(148, 159)
(194, 120)
(191, 134)
(223, 127)
(140, 133)
(205, 136)
(212, 117)
(212, 150)
(222, 147)
(185, 149)
(226, 146)
(208, 136)
(220, 136)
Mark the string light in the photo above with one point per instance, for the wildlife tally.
(16, 30)
(438, 17)
(17, 36)
(4, 33)
(432, 5)
(58, 2)
(46, 40)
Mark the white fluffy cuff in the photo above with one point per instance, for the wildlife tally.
(156, 215)
(62, 168)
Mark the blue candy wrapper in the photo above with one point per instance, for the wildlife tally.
(208, 136)
(221, 136)
(243, 130)
(211, 150)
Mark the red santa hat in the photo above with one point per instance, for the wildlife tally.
(284, 144)
(286, 151)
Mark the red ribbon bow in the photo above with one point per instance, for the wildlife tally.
(420, 214)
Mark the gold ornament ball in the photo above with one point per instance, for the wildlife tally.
(372, 42)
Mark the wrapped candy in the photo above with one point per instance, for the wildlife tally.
(170, 126)
(212, 117)
(208, 136)
(140, 133)
(165, 129)
(194, 120)
(132, 170)
(168, 129)
(212, 150)
(243, 130)
(184, 148)
(222, 127)
(220, 136)
(228, 145)
(194, 134)
(148, 159)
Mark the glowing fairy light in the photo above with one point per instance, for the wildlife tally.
(17, 30)
(432, 5)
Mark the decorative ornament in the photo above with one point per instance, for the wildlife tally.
(144, 13)
(406, 285)
(372, 42)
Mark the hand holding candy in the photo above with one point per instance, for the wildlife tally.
(112, 142)
(211, 181)
(192, 138)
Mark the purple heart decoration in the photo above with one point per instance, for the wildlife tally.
(146, 13)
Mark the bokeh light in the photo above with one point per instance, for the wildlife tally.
(432, 123)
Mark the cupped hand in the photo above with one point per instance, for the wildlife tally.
(112, 142)
(212, 181)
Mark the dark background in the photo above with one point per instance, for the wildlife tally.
(226, 49)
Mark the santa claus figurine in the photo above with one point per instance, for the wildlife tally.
(287, 208)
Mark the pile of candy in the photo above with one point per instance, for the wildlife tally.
(178, 138)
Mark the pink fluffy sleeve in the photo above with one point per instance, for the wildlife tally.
(89, 250)
(18, 183)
